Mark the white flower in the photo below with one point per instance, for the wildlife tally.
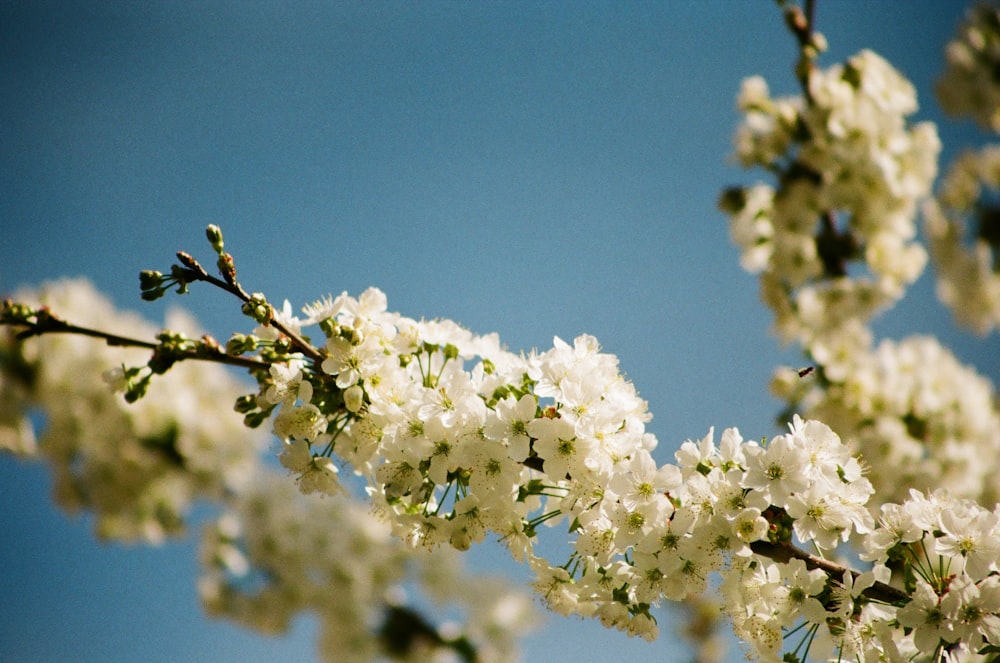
(493, 474)
(779, 469)
(324, 308)
(351, 361)
(556, 443)
(974, 534)
(819, 516)
(509, 422)
(924, 615)
(315, 474)
(974, 609)
(644, 483)
(803, 588)
(896, 525)
(750, 526)
(300, 422)
(288, 384)
(555, 586)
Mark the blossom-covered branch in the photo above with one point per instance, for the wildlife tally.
(456, 438)
(140, 467)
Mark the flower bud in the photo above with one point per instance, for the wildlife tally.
(258, 309)
(354, 398)
(214, 234)
(239, 344)
(151, 285)
(15, 312)
(246, 403)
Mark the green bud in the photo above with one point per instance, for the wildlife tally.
(329, 327)
(239, 344)
(500, 393)
(136, 389)
(258, 309)
(254, 419)
(151, 285)
(182, 277)
(15, 312)
(214, 234)
(450, 351)
(149, 279)
(353, 335)
(161, 361)
(246, 403)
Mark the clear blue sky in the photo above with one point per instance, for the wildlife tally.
(534, 169)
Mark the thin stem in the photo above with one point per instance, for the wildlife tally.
(53, 325)
(810, 12)
(232, 286)
(801, 23)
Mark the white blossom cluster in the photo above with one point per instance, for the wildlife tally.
(920, 418)
(277, 553)
(834, 242)
(968, 268)
(137, 467)
(140, 467)
(457, 438)
(454, 453)
(951, 546)
(970, 84)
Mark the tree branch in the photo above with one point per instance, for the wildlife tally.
(232, 286)
(47, 323)
(785, 552)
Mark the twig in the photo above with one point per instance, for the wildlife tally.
(46, 323)
(785, 552)
(232, 286)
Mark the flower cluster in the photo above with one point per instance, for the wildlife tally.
(277, 553)
(968, 267)
(137, 467)
(804, 483)
(639, 533)
(834, 243)
(851, 171)
(949, 547)
(454, 452)
(455, 438)
(968, 85)
(920, 418)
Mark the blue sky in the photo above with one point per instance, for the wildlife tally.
(534, 169)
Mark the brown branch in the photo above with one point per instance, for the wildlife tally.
(785, 552)
(53, 325)
(232, 286)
